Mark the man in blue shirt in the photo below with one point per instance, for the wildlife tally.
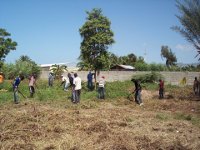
(16, 83)
(89, 78)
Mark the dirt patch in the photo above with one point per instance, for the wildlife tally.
(118, 125)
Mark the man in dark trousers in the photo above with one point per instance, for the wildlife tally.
(161, 89)
(196, 86)
(89, 79)
(77, 88)
(16, 83)
(137, 91)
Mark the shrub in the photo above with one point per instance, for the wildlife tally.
(148, 78)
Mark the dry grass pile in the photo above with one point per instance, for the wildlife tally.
(115, 125)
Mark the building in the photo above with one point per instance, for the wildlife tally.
(122, 68)
(70, 66)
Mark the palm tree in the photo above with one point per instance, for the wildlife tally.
(190, 21)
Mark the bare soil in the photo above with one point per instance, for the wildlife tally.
(169, 124)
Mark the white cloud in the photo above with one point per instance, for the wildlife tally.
(185, 48)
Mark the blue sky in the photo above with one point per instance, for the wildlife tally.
(48, 30)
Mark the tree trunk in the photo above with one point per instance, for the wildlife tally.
(95, 79)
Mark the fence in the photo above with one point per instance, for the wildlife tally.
(173, 78)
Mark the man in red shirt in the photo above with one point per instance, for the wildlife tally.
(161, 89)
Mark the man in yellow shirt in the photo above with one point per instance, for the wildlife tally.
(1, 77)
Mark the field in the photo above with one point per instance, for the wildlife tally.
(50, 121)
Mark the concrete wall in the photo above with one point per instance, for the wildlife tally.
(173, 78)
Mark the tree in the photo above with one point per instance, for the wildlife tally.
(23, 66)
(25, 58)
(26, 66)
(58, 70)
(113, 60)
(140, 59)
(96, 39)
(6, 45)
(169, 55)
(190, 21)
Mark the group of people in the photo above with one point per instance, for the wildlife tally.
(69, 82)
(73, 83)
(17, 81)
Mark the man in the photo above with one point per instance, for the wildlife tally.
(161, 89)
(32, 84)
(137, 91)
(89, 78)
(77, 88)
(71, 81)
(16, 83)
(1, 77)
(101, 88)
(196, 86)
(65, 81)
(50, 79)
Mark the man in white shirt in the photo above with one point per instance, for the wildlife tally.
(77, 88)
(65, 81)
(101, 88)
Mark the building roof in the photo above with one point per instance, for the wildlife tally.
(49, 65)
(123, 67)
(127, 67)
(71, 66)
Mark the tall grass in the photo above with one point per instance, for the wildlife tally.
(113, 90)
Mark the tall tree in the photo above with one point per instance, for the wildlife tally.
(167, 53)
(6, 45)
(25, 58)
(96, 38)
(113, 60)
(190, 20)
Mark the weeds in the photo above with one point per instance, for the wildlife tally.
(188, 117)
(162, 117)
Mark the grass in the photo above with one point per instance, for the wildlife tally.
(51, 121)
(44, 93)
(162, 116)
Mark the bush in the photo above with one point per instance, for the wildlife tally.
(25, 68)
(148, 78)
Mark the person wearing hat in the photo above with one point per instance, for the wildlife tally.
(101, 88)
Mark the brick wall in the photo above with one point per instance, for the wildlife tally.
(173, 78)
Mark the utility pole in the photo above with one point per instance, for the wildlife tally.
(145, 55)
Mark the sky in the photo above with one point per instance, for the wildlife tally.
(48, 30)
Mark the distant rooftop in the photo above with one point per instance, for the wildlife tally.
(68, 64)
(127, 67)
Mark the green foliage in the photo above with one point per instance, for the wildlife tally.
(181, 116)
(22, 66)
(120, 87)
(167, 53)
(149, 77)
(162, 116)
(189, 18)
(139, 66)
(58, 70)
(6, 45)
(97, 37)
